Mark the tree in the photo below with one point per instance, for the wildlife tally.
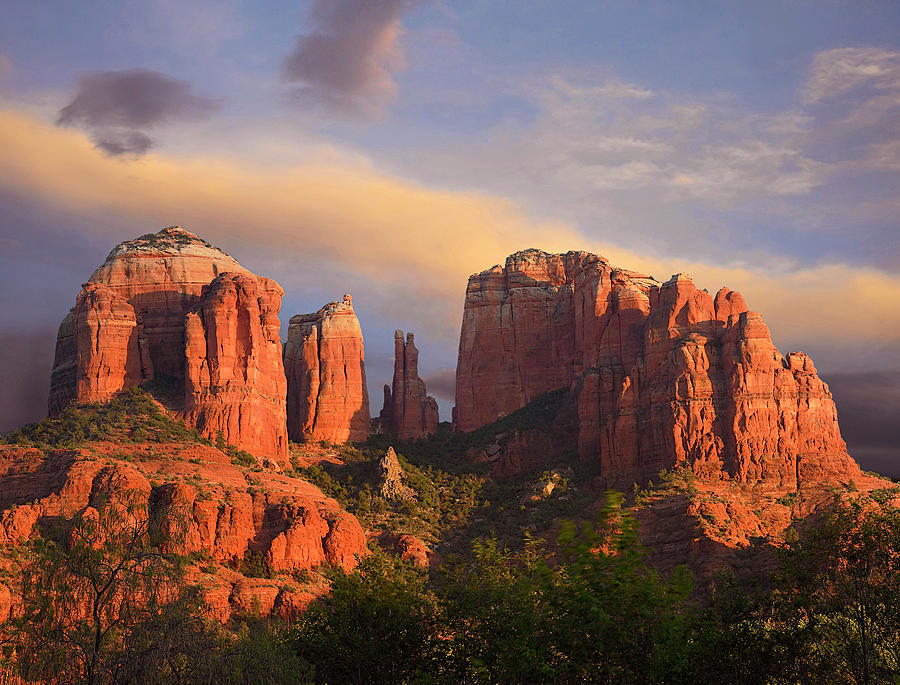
(379, 625)
(598, 614)
(840, 594)
(103, 603)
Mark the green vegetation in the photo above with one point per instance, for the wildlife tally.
(526, 592)
(102, 607)
(131, 416)
(255, 565)
(168, 241)
(446, 448)
(442, 500)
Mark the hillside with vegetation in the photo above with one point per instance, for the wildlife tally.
(539, 577)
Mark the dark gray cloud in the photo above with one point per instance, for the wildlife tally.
(442, 384)
(118, 106)
(348, 62)
(124, 142)
(25, 360)
(867, 411)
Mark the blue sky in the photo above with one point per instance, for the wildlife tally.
(391, 148)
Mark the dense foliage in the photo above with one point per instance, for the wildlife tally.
(441, 500)
(589, 611)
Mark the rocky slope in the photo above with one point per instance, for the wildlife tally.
(662, 374)
(324, 359)
(408, 411)
(257, 537)
(161, 308)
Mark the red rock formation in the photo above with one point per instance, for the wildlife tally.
(161, 275)
(129, 326)
(412, 549)
(234, 377)
(324, 361)
(106, 334)
(214, 506)
(662, 374)
(408, 410)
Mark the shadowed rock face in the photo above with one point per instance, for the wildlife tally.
(128, 326)
(324, 360)
(662, 373)
(98, 348)
(408, 410)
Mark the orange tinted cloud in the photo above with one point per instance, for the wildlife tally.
(412, 243)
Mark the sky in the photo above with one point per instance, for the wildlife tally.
(390, 148)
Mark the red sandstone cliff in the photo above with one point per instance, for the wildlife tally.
(234, 378)
(408, 410)
(106, 335)
(128, 326)
(662, 374)
(324, 361)
(161, 276)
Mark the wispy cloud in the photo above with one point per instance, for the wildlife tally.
(348, 62)
(839, 71)
(613, 136)
(118, 106)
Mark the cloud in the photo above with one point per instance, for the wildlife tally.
(442, 384)
(855, 95)
(333, 210)
(124, 142)
(401, 247)
(611, 88)
(592, 141)
(839, 71)
(867, 410)
(348, 62)
(116, 106)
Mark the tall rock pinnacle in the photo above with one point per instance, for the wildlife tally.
(408, 410)
(234, 378)
(324, 360)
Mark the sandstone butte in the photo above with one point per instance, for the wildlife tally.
(324, 360)
(225, 512)
(408, 410)
(170, 306)
(660, 375)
